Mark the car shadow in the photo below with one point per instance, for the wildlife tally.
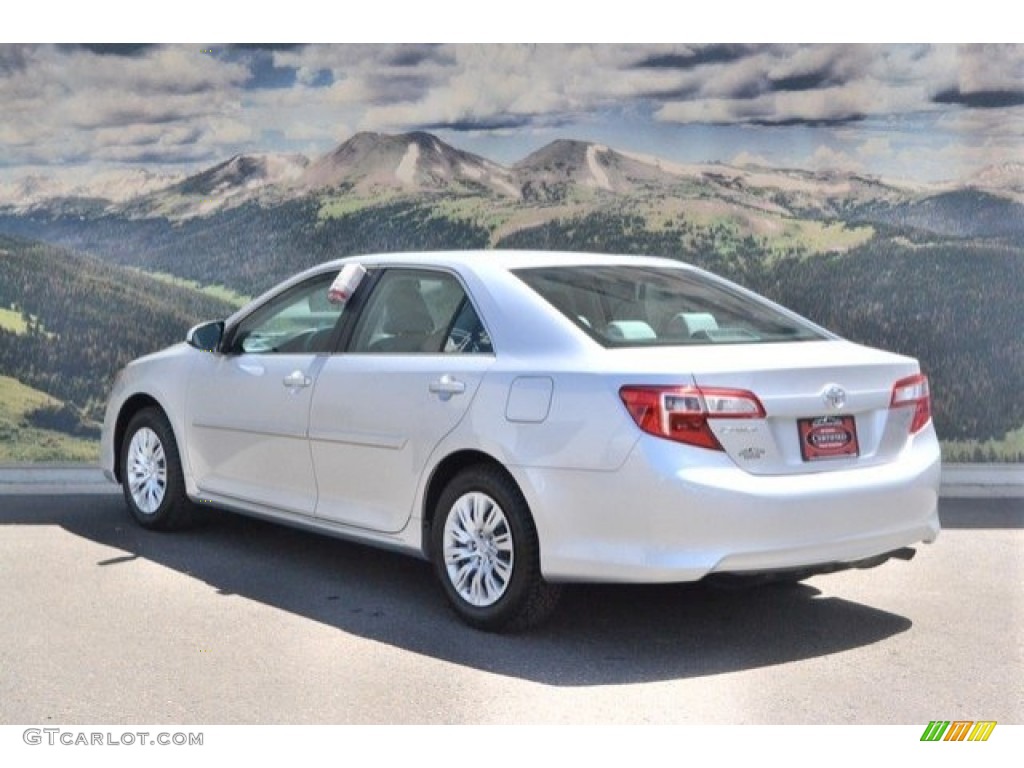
(601, 635)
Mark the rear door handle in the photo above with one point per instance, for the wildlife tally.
(447, 386)
(297, 380)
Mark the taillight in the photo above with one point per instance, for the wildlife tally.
(913, 392)
(682, 413)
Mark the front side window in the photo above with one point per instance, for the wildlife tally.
(419, 311)
(299, 321)
(626, 306)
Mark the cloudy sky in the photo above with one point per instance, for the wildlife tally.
(926, 112)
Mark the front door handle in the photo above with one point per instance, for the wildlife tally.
(297, 380)
(447, 386)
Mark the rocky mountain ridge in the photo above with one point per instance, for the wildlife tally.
(419, 163)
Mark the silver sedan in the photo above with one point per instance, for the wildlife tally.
(524, 420)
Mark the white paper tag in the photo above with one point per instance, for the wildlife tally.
(345, 283)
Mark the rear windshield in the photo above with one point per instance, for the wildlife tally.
(625, 306)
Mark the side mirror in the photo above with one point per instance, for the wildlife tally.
(206, 336)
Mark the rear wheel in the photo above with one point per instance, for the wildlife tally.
(151, 476)
(486, 553)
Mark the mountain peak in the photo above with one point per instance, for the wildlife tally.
(1009, 175)
(551, 170)
(243, 172)
(559, 152)
(407, 162)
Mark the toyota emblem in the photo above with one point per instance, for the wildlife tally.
(834, 397)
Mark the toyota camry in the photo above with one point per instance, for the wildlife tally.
(523, 420)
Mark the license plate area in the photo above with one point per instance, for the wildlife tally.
(828, 437)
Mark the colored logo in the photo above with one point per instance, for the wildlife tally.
(958, 730)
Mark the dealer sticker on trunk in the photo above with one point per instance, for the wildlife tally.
(828, 437)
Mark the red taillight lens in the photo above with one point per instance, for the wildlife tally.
(682, 413)
(913, 392)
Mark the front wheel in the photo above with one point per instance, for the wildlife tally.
(151, 476)
(486, 553)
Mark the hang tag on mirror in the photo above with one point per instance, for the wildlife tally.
(345, 283)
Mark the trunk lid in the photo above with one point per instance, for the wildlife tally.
(827, 403)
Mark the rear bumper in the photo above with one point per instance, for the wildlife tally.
(673, 513)
(795, 574)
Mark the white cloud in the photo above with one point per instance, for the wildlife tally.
(876, 146)
(488, 84)
(990, 68)
(76, 105)
(973, 126)
(749, 158)
(177, 104)
(828, 159)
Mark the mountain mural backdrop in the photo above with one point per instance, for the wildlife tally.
(94, 275)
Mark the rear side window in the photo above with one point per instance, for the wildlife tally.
(625, 306)
(420, 312)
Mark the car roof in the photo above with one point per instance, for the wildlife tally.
(477, 261)
(502, 259)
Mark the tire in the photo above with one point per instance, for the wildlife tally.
(151, 476)
(486, 553)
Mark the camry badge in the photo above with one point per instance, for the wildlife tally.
(834, 397)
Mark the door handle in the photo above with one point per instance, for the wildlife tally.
(447, 386)
(297, 380)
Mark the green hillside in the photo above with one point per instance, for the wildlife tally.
(22, 442)
(69, 322)
(86, 319)
(250, 248)
(955, 305)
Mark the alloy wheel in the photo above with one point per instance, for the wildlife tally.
(147, 470)
(478, 549)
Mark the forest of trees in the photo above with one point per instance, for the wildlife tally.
(956, 306)
(250, 248)
(90, 318)
(718, 248)
(964, 213)
(954, 303)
